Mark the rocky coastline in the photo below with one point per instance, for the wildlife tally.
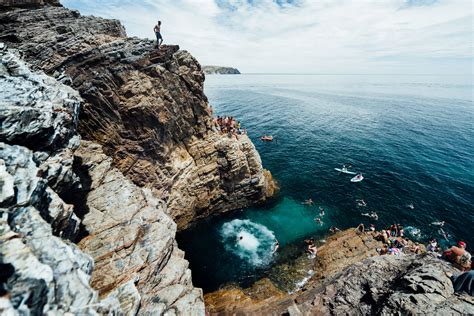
(108, 148)
(349, 277)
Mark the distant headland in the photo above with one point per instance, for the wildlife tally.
(219, 70)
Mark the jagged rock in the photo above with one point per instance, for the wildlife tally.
(352, 279)
(147, 108)
(36, 111)
(388, 285)
(47, 275)
(28, 3)
(131, 238)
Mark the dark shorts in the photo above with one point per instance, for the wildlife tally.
(158, 36)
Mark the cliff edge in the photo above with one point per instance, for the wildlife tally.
(88, 226)
(145, 107)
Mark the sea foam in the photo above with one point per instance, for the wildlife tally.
(249, 241)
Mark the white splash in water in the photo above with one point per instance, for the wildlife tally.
(300, 284)
(250, 241)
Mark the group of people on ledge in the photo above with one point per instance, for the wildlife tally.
(229, 125)
(395, 243)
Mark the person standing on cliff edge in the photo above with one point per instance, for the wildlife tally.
(159, 38)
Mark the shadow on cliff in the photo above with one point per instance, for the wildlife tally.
(78, 197)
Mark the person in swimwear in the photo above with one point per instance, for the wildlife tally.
(159, 38)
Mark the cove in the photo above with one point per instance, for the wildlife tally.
(411, 137)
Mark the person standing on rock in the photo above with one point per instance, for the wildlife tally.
(159, 38)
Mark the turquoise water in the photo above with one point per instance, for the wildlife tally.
(411, 136)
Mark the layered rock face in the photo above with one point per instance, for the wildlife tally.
(153, 157)
(147, 109)
(128, 263)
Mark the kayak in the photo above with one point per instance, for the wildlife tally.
(344, 171)
(357, 178)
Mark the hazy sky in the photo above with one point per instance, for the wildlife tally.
(307, 36)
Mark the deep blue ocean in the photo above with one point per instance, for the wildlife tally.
(412, 137)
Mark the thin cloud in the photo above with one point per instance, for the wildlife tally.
(337, 36)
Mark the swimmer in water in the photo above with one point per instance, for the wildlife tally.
(318, 220)
(321, 211)
(308, 202)
(441, 223)
(411, 206)
(361, 203)
(276, 245)
(240, 238)
(444, 234)
(374, 216)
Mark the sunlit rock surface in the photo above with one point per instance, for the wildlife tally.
(146, 107)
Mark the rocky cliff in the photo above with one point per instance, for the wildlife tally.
(128, 261)
(145, 107)
(219, 70)
(88, 227)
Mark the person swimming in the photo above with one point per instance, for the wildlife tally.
(318, 220)
(276, 245)
(440, 223)
(321, 211)
(308, 202)
(361, 203)
(371, 215)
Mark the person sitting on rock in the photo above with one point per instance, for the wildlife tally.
(361, 228)
(463, 282)
(416, 248)
(159, 38)
(311, 248)
(459, 255)
(433, 245)
(393, 230)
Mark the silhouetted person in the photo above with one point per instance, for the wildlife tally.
(159, 38)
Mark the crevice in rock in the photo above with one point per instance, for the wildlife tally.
(78, 197)
(6, 271)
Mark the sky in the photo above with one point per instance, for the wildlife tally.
(307, 36)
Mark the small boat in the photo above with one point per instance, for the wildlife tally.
(266, 138)
(344, 170)
(358, 178)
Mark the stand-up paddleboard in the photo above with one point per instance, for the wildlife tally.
(358, 178)
(344, 171)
